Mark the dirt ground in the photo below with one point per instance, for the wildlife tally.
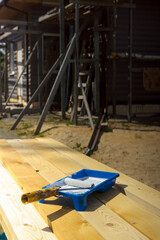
(132, 148)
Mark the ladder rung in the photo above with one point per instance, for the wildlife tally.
(79, 109)
(104, 124)
(83, 85)
(83, 73)
(80, 97)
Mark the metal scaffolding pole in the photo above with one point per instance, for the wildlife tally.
(27, 62)
(0, 87)
(76, 62)
(114, 63)
(42, 84)
(39, 72)
(62, 47)
(96, 56)
(6, 73)
(130, 61)
(56, 84)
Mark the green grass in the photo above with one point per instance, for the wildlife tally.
(40, 135)
(107, 129)
(27, 125)
(22, 134)
(137, 136)
(79, 148)
(125, 125)
(68, 122)
(51, 119)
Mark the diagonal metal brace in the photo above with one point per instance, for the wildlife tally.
(56, 84)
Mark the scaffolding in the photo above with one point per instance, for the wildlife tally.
(73, 14)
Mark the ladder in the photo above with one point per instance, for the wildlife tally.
(85, 77)
(84, 82)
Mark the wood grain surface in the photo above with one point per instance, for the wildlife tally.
(34, 163)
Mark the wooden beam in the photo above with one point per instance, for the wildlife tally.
(104, 3)
(17, 219)
(22, 23)
(18, 31)
(7, 34)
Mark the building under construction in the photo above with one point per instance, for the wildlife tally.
(80, 57)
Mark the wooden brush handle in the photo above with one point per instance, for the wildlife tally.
(39, 195)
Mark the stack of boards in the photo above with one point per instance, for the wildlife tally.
(130, 210)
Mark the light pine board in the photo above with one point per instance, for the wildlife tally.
(18, 220)
(97, 218)
(135, 214)
(99, 222)
(66, 223)
(139, 192)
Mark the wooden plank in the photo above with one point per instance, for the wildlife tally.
(139, 217)
(95, 209)
(65, 222)
(17, 219)
(36, 161)
(135, 214)
(36, 156)
(139, 192)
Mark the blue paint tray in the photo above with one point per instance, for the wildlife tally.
(101, 181)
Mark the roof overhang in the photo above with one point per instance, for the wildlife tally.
(8, 13)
